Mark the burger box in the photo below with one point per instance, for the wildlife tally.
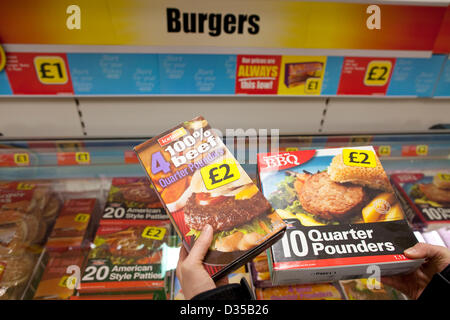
(55, 283)
(132, 199)
(360, 289)
(199, 182)
(425, 197)
(74, 227)
(343, 218)
(259, 270)
(127, 258)
(318, 291)
(27, 197)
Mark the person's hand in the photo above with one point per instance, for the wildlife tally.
(437, 258)
(193, 277)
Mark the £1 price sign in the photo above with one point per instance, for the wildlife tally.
(39, 73)
(73, 158)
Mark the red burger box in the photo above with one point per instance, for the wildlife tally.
(199, 182)
(425, 198)
(344, 221)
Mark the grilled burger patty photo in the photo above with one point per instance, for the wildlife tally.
(328, 199)
(237, 212)
(222, 213)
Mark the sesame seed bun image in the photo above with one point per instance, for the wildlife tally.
(237, 212)
(336, 194)
(374, 178)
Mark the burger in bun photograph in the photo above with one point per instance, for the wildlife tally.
(238, 213)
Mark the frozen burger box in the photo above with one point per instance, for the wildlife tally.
(343, 218)
(426, 197)
(132, 199)
(200, 182)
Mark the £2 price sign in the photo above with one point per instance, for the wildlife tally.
(155, 233)
(365, 76)
(359, 158)
(219, 174)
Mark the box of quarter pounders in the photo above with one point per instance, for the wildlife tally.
(200, 182)
(344, 220)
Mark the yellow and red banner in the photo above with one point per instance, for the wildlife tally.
(230, 24)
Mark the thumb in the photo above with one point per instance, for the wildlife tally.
(202, 244)
(425, 250)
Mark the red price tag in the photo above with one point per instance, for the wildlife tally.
(14, 160)
(73, 158)
(414, 150)
(130, 157)
(383, 151)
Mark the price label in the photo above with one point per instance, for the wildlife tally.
(51, 69)
(154, 233)
(422, 150)
(82, 157)
(219, 174)
(25, 186)
(73, 158)
(384, 151)
(360, 139)
(21, 159)
(2, 58)
(312, 86)
(359, 158)
(130, 157)
(291, 149)
(377, 73)
(82, 217)
(444, 176)
(2, 268)
(67, 282)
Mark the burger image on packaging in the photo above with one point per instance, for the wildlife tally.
(342, 216)
(426, 197)
(337, 194)
(199, 182)
(231, 210)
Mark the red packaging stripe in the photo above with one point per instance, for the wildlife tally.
(338, 262)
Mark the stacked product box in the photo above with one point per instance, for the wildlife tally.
(75, 225)
(425, 198)
(127, 256)
(369, 289)
(58, 280)
(319, 291)
(26, 211)
(343, 217)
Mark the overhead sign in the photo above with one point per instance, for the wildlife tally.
(230, 24)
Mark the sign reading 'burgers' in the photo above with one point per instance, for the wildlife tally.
(200, 182)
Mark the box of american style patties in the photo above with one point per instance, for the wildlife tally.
(344, 220)
(127, 257)
(200, 182)
(132, 199)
